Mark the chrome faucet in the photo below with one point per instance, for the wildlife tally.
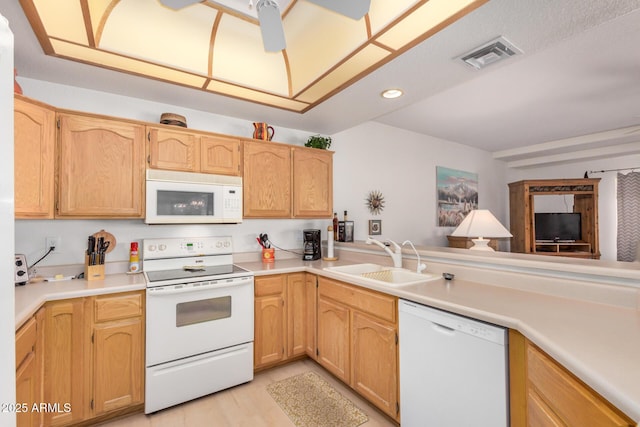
(396, 254)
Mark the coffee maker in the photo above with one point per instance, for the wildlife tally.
(311, 244)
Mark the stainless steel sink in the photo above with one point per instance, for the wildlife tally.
(380, 274)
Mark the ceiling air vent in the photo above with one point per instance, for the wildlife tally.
(489, 53)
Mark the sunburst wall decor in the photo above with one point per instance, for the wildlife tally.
(375, 202)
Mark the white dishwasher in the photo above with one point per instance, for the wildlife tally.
(453, 370)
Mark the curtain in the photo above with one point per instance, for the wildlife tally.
(628, 195)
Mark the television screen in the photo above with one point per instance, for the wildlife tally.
(553, 227)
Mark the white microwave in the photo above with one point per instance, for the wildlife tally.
(192, 198)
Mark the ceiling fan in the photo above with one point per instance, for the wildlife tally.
(271, 20)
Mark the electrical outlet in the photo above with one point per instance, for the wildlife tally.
(53, 242)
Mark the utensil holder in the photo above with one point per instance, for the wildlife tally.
(268, 255)
(93, 272)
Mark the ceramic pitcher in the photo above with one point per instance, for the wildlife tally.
(263, 131)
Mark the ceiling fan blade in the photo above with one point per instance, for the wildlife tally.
(271, 25)
(354, 9)
(178, 4)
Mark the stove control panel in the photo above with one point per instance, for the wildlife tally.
(185, 247)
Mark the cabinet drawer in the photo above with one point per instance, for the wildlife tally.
(572, 401)
(269, 285)
(25, 340)
(115, 307)
(374, 303)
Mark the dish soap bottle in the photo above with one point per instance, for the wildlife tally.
(134, 259)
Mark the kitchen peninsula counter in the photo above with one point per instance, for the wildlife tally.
(593, 329)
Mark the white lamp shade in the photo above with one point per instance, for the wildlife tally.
(481, 223)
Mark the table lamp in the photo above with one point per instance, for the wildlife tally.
(478, 224)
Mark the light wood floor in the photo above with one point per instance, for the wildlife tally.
(246, 405)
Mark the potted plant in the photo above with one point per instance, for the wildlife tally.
(317, 141)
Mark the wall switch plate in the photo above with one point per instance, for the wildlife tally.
(53, 241)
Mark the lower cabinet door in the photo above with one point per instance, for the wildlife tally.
(375, 362)
(118, 365)
(539, 414)
(270, 330)
(333, 338)
(64, 367)
(296, 310)
(27, 387)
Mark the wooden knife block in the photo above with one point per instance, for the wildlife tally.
(93, 272)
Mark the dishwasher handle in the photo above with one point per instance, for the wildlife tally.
(442, 328)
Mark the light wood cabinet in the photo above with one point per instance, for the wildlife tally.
(544, 393)
(29, 372)
(173, 150)
(375, 378)
(333, 337)
(284, 181)
(101, 167)
(311, 314)
(358, 341)
(220, 155)
(281, 317)
(93, 357)
(117, 356)
(34, 159)
(296, 314)
(192, 151)
(522, 216)
(312, 183)
(270, 320)
(266, 180)
(64, 362)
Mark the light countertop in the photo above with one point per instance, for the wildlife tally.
(32, 295)
(598, 342)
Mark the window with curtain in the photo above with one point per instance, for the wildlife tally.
(628, 195)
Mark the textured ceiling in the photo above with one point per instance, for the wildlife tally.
(574, 89)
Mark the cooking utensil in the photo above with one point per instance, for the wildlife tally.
(108, 237)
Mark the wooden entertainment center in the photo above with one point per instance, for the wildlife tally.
(522, 216)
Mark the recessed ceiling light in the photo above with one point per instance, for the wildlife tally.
(392, 93)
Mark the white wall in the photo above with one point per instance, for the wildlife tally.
(402, 165)
(7, 330)
(369, 157)
(607, 201)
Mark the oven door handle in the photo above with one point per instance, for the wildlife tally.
(172, 290)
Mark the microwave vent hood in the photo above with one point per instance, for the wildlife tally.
(192, 177)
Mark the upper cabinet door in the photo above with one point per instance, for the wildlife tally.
(220, 155)
(101, 170)
(34, 159)
(267, 180)
(312, 183)
(173, 150)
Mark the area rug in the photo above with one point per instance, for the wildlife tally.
(309, 401)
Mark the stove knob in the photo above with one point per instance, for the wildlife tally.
(218, 244)
(227, 244)
(162, 247)
(152, 248)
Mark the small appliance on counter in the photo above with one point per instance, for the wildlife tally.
(311, 244)
(22, 273)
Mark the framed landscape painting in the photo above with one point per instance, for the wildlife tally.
(457, 195)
